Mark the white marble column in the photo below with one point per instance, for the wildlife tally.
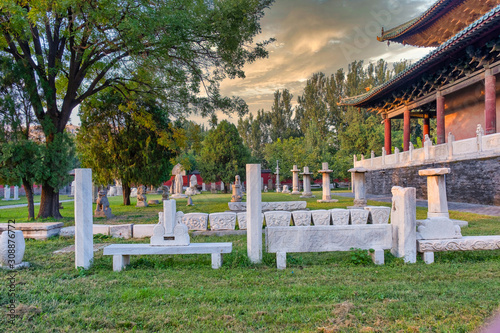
(83, 218)
(295, 180)
(359, 186)
(254, 213)
(404, 223)
(327, 194)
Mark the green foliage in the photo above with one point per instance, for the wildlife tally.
(223, 155)
(360, 256)
(20, 160)
(128, 140)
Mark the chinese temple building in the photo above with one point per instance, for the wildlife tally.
(456, 83)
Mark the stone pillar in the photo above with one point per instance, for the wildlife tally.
(307, 183)
(6, 192)
(387, 135)
(16, 193)
(426, 126)
(254, 214)
(440, 119)
(221, 186)
(327, 195)
(278, 185)
(83, 218)
(359, 185)
(490, 112)
(295, 180)
(203, 187)
(406, 129)
(404, 223)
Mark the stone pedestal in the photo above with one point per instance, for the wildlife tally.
(307, 183)
(83, 218)
(254, 213)
(236, 197)
(168, 232)
(327, 194)
(438, 224)
(295, 180)
(359, 186)
(404, 220)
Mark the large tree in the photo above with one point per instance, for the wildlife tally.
(129, 140)
(223, 155)
(73, 49)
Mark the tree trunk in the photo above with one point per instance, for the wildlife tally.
(49, 203)
(126, 194)
(28, 189)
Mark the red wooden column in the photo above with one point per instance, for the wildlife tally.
(440, 118)
(426, 126)
(406, 129)
(387, 135)
(490, 110)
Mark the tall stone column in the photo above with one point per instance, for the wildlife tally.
(387, 135)
(490, 111)
(404, 221)
(426, 126)
(440, 118)
(254, 213)
(406, 129)
(295, 180)
(359, 186)
(327, 195)
(307, 183)
(278, 185)
(84, 252)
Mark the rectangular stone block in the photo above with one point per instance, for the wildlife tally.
(359, 216)
(40, 231)
(100, 229)
(270, 206)
(328, 238)
(403, 220)
(321, 217)
(277, 219)
(340, 216)
(378, 214)
(83, 218)
(143, 230)
(254, 212)
(301, 217)
(121, 231)
(222, 221)
(196, 221)
(242, 220)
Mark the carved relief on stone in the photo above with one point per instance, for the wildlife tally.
(379, 214)
(222, 221)
(321, 217)
(195, 221)
(277, 218)
(242, 220)
(359, 216)
(301, 217)
(470, 243)
(340, 216)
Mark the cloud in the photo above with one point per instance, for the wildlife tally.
(313, 36)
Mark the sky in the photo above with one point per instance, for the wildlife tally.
(318, 36)
(321, 36)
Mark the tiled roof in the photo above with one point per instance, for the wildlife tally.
(457, 42)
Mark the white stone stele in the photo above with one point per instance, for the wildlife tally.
(168, 232)
(281, 240)
(378, 214)
(133, 192)
(271, 206)
(359, 186)
(321, 217)
(121, 231)
(242, 220)
(222, 221)
(16, 193)
(277, 218)
(112, 191)
(254, 213)
(301, 218)
(121, 252)
(6, 192)
(15, 239)
(466, 243)
(340, 216)
(359, 216)
(84, 253)
(196, 221)
(403, 221)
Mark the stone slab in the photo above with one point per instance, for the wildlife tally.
(143, 230)
(71, 248)
(121, 231)
(278, 218)
(460, 223)
(340, 216)
(100, 229)
(40, 231)
(321, 217)
(438, 228)
(301, 217)
(67, 232)
(242, 220)
(466, 243)
(270, 206)
(327, 201)
(434, 172)
(195, 221)
(328, 238)
(378, 214)
(222, 221)
(359, 216)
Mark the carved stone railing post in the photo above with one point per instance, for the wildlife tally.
(383, 155)
(479, 137)
(427, 147)
(451, 138)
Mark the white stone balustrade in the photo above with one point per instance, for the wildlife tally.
(277, 219)
(321, 217)
(195, 221)
(301, 218)
(222, 221)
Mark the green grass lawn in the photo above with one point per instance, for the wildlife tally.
(318, 292)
